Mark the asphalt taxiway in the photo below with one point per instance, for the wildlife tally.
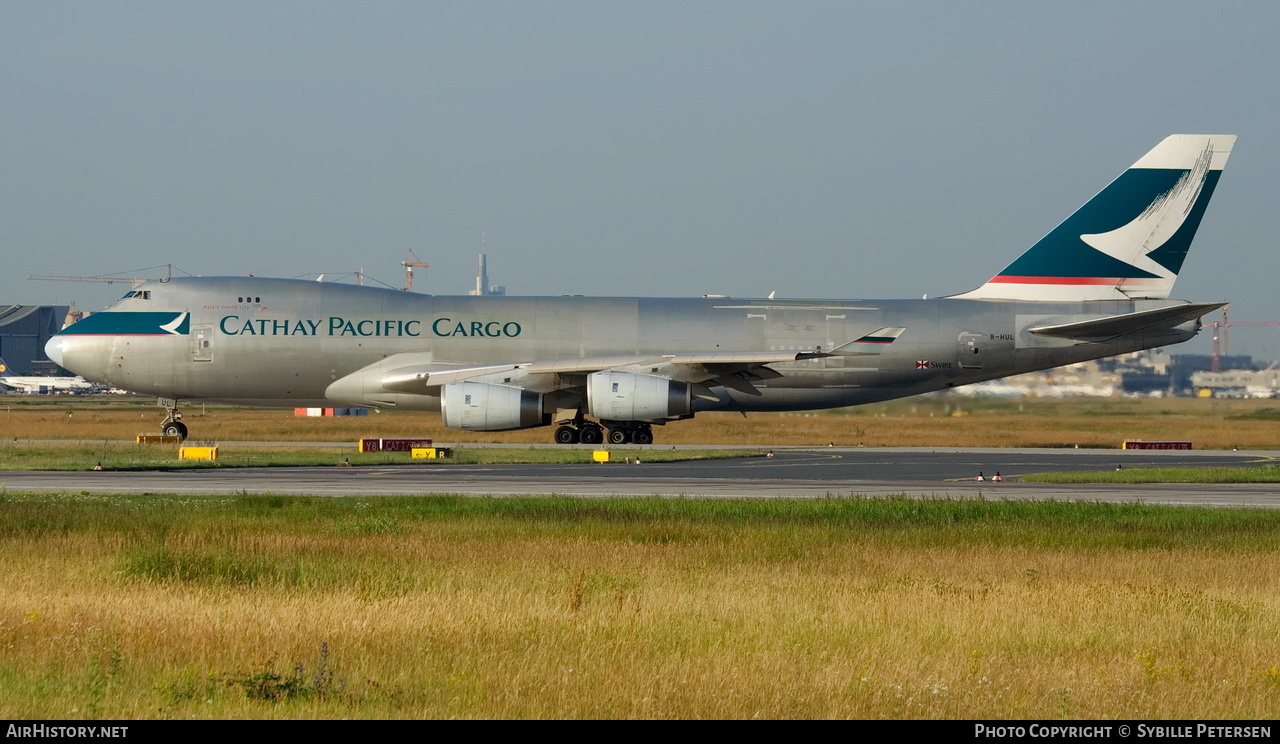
(791, 472)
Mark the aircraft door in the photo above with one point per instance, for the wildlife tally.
(116, 374)
(201, 348)
(836, 332)
(970, 350)
(757, 333)
(837, 335)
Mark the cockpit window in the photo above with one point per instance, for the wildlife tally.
(138, 294)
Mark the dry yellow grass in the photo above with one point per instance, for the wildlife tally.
(475, 617)
(931, 421)
(480, 621)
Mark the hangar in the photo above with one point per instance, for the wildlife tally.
(24, 330)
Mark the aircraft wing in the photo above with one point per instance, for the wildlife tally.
(731, 369)
(1116, 326)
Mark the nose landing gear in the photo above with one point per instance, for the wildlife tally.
(172, 425)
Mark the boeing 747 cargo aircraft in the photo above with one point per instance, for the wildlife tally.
(609, 369)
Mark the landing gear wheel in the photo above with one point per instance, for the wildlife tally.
(172, 425)
(619, 436)
(590, 434)
(642, 436)
(566, 435)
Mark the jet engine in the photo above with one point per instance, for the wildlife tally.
(480, 406)
(625, 396)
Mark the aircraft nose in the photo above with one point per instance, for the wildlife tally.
(53, 350)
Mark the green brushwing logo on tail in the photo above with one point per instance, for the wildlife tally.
(1130, 240)
(1068, 252)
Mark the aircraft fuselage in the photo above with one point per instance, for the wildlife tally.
(278, 342)
(1094, 286)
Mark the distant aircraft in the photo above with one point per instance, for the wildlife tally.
(38, 384)
(611, 368)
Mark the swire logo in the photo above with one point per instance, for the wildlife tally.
(922, 365)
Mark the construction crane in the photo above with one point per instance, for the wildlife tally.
(408, 263)
(1220, 335)
(133, 281)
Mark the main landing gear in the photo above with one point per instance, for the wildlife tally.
(619, 432)
(172, 425)
(624, 432)
(586, 433)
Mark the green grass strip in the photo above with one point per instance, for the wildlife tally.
(1257, 474)
(116, 456)
(155, 519)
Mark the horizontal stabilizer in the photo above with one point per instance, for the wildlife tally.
(1129, 323)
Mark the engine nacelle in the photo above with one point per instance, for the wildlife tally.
(625, 396)
(479, 406)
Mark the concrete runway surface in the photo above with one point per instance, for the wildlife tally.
(792, 472)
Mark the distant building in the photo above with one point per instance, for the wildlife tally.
(24, 330)
(1237, 383)
(1144, 382)
(1185, 365)
(1154, 372)
(483, 287)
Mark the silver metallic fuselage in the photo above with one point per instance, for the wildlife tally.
(285, 343)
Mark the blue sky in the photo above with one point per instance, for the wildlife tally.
(816, 149)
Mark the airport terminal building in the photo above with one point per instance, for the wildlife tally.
(24, 330)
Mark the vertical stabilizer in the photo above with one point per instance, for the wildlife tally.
(1129, 241)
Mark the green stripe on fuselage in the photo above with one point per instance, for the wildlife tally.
(129, 324)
